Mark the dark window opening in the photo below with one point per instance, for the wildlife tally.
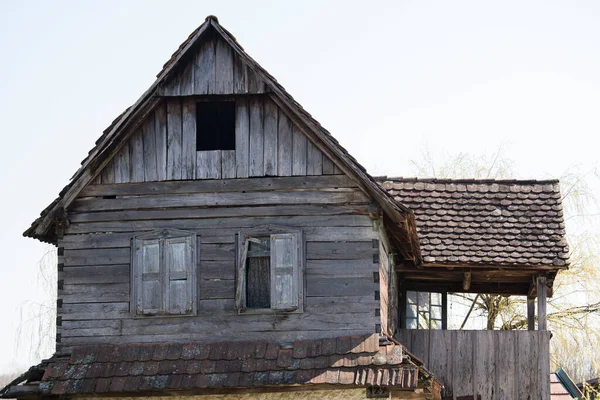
(258, 273)
(215, 125)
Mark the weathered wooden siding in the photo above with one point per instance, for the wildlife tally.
(494, 365)
(213, 68)
(267, 144)
(340, 294)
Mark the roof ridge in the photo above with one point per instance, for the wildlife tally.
(467, 180)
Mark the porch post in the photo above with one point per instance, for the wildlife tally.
(531, 313)
(541, 295)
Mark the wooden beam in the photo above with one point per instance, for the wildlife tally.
(541, 291)
(444, 311)
(531, 313)
(467, 280)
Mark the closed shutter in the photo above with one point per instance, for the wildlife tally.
(284, 271)
(179, 270)
(147, 275)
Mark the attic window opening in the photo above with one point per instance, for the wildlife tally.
(215, 125)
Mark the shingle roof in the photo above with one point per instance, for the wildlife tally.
(496, 222)
(351, 360)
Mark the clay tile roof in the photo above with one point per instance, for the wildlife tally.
(499, 222)
(354, 360)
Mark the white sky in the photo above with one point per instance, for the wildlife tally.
(386, 78)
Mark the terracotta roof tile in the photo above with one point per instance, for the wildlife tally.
(485, 221)
(356, 360)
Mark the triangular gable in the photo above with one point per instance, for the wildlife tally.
(401, 219)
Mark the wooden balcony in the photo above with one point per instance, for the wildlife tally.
(484, 364)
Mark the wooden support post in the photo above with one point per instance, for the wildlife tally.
(531, 313)
(467, 280)
(541, 294)
(444, 311)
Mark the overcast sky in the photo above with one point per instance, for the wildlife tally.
(386, 79)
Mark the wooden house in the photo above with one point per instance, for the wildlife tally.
(218, 242)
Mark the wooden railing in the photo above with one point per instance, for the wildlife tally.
(485, 364)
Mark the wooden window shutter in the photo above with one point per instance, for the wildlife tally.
(179, 270)
(148, 276)
(284, 271)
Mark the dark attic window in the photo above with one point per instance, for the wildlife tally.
(215, 125)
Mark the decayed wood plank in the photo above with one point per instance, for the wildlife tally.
(232, 185)
(224, 68)
(505, 367)
(240, 75)
(174, 139)
(192, 213)
(150, 150)
(314, 163)
(204, 74)
(186, 80)
(108, 173)
(95, 274)
(242, 137)
(217, 269)
(208, 164)
(137, 157)
(526, 377)
(256, 157)
(334, 286)
(94, 311)
(188, 146)
(109, 292)
(299, 152)
(255, 83)
(284, 145)
(341, 304)
(327, 165)
(440, 356)
(541, 293)
(337, 170)
(228, 169)
(341, 268)
(353, 230)
(216, 289)
(220, 199)
(462, 364)
(484, 367)
(544, 363)
(270, 138)
(99, 257)
(420, 344)
(122, 165)
(160, 132)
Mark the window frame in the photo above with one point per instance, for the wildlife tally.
(136, 270)
(240, 278)
(405, 304)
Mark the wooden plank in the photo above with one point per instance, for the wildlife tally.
(160, 132)
(95, 274)
(256, 148)
(150, 150)
(108, 173)
(337, 170)
(216, 289)
(136, 146)
(299, 152)
(544, 363)
(440, 356)
(284, 145)
(192, 213)
(341, 304)
(420, 344)
(228, 169)
(94, 311)
(505, 383)
(242, 137)
(186, 79)
(341, 268)
(531, 313)
(327, 165)
(270, 138)
(99, 257)
(232, 185)
(240, 76)
(188, 147)
(255, 83)
(208, 164)
(108, 293)
(334, 286)
(220, 199)
(174, 139)
(483, 364)
(224, 68)
(462, 364)
(220, 269)
(204, 73)
(541, 294)
(122, 165)
(527, 356)
(314, 163)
